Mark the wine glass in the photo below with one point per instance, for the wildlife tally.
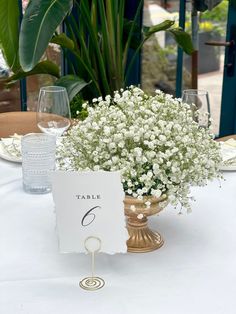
(198, 100)
(53, 111)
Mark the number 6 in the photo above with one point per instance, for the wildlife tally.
(89, 213)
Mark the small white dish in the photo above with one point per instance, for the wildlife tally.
(228, 152)
(6, 154)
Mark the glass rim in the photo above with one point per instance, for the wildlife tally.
(52, 89)
(32, 136)
(192, 91)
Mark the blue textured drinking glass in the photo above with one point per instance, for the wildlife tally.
(38, 160)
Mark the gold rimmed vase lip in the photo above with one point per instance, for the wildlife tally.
(140, 207)
(152, 199)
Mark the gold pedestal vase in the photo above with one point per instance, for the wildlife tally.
(142, 239)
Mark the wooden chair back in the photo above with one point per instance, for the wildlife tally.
(18, 122)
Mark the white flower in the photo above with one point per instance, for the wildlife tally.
(162, 138)
(112, 145)
(106, 130)
(140, 216)
(156, 193)
(107, 98)
(152, 140)
(149, 174)
(132, 208)
(148, 204)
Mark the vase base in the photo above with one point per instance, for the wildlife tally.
(152, 247)
(142, 239)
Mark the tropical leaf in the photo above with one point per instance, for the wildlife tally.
(183, 39)
(9, 30)
(63, 41)
(44, 67)
(95, 41)
(149, 31)
(39, 23)
(108, 43)
(119, 42)
(72, 83)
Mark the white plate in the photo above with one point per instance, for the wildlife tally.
(228, 168)
(7, 156)
(228, 151)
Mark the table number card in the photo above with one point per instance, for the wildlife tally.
(89, 204)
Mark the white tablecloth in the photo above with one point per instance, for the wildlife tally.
(194, 272)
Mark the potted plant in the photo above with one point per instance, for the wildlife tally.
(209, 56)
(95, 44)
(155, 144)
(212, 27)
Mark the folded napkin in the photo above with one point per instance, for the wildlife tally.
(12, 145)
(228, 152)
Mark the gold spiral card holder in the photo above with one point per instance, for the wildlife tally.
(92, 246)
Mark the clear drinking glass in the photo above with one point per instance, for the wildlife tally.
(53, 111)
(38, 159)
(198, 100)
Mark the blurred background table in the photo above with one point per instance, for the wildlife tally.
(193, 273)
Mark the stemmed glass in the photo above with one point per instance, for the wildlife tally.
(198, 100)
(53, 111)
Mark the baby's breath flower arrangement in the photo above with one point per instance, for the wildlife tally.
(152, 140)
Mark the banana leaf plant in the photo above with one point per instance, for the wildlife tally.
(95, 44)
